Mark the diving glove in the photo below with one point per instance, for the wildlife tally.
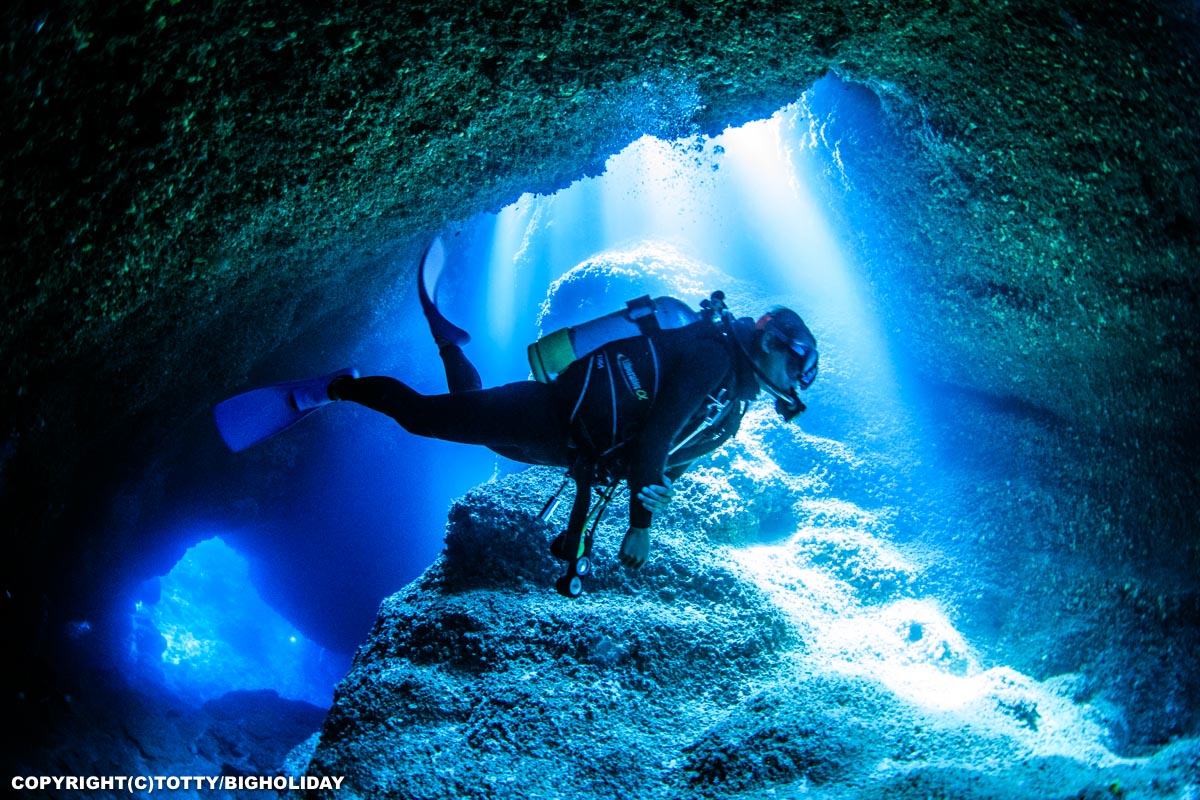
(635, 548)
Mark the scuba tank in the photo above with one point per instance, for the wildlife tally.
(555, 351)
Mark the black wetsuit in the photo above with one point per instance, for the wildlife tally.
(639, 408)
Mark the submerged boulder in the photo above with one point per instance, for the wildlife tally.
(739, 661)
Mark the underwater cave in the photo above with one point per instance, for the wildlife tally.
(968, 568)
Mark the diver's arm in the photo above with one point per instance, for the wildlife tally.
(683, 459)
(692, 377)
(676, 472)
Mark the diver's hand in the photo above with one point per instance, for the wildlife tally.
(655, 499)
(635, 548)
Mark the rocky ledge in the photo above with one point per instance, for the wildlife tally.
(781, 639)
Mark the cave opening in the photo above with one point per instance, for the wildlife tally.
(750, 211)
(203, 631)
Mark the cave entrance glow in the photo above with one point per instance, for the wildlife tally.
(209, 632)
(755, 208)
(750, 206)
(753, 203)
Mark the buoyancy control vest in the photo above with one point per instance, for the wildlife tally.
(612, 389)
(620, 384)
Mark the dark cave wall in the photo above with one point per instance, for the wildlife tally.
(188, 189)
(1053, 268)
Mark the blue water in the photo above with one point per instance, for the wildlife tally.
(366, 503)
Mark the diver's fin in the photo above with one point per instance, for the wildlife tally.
(254, 416)
(431, 270)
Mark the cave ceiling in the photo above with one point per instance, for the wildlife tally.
(188, 189)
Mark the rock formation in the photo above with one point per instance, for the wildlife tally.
(195, 196)
(736, 663)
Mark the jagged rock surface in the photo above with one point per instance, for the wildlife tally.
(193, 195)
(737, 662)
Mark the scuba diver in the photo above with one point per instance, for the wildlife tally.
(641, 408)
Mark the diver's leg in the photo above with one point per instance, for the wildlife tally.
(520, 419)
(461, 375)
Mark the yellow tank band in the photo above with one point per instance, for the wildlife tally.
(551, 354)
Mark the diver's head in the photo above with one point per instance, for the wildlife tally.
(786, 355)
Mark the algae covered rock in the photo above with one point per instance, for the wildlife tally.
(757, 668)
(487, 682)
